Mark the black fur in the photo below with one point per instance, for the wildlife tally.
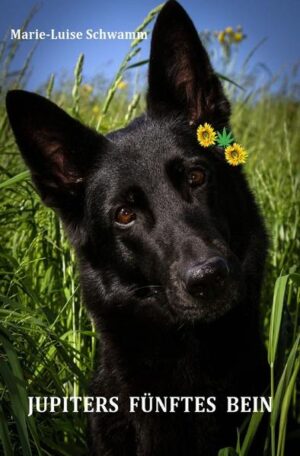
(159, 334)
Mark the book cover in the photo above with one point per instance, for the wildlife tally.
(149, 228)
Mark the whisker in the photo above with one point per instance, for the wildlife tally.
(146, 287)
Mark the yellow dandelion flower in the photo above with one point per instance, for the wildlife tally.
(229, 30)
(235, 154)
(238, 36)
(221, 37)
(122, 85)
(206, 135)
(95, 109)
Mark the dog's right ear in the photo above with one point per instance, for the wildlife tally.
(58, 149)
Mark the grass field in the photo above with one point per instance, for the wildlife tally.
(47, 343)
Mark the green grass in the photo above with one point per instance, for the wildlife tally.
(47, 343)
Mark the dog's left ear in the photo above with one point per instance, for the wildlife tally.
(181, 78)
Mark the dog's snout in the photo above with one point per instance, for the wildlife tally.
(207, 278)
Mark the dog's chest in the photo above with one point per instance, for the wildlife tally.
(181, 434)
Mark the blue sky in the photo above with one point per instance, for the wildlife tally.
(277, 20)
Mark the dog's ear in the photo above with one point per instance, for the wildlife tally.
(58, 149)
(181, 78)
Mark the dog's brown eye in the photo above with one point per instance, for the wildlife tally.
(125, 216)
(196, 177)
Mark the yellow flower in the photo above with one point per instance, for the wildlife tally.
(122, 85)
(229, 30)
(238, 36)
(221, 37)
(235, 154)
(95, 109)
(206, 135)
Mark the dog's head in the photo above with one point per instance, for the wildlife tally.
(160, 224)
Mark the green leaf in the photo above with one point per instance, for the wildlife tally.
(251, 431)
(283, 382)
(15, 180)
(4, 435)
(276, 316)
(16, 406)
(225, 78)
(137, 64)
(227, 452)
(13, 374)
(225, 138)
(285, 408)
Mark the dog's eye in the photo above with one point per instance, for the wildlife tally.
(196, 177)
(125, 216)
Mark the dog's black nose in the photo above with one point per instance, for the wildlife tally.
(207, 279)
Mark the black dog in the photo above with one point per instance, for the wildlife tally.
(170, 244)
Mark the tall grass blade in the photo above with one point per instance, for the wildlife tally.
(134, 50)
(251, 431)
(276, 316)
(21, 177)
(77, 83)
(285, 408)
(283, 383)
(16, 407)
(227, 452)
(4, 435)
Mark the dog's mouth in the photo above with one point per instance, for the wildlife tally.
(178, 305)
(195, 297)
(205, 305)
